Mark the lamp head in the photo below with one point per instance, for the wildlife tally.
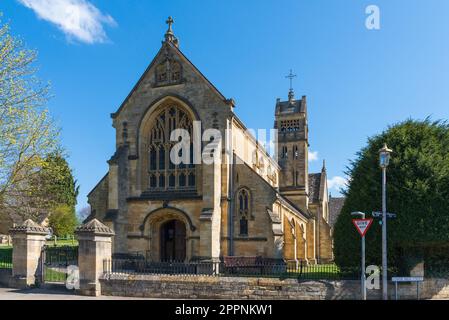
(358, 213)
(384, 156)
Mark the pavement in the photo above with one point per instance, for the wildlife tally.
(51, 294)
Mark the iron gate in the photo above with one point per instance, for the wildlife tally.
(55, 263)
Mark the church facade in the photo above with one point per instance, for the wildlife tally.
(247, 204)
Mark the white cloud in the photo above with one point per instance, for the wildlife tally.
(78, 19)
(337, 183)
(313, 156)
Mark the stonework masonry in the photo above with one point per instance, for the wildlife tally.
(28, 240)
(283, 214)
(206, 287)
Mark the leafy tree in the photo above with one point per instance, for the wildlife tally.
(58, 183)
(27, 132)
(57, 187)
(63, 220)
(417, 191)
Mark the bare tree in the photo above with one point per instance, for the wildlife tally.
(27, 132)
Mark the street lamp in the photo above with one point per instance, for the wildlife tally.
(363, 276)
(384, 160)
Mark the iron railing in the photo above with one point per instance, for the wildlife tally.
(55, 262)
(262, 268)
(5, 257)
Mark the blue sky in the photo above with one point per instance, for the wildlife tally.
(357, 81)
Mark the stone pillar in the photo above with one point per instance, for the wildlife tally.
(302, 244)
(210, 217)
(325, 242)
(28, 240)
(311, 253)
(95, 247)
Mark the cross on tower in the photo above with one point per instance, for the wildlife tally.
(291, 95)
(291, 76)
(169, 35)
(169, 21)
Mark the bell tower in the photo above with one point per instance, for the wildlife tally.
(293, 145)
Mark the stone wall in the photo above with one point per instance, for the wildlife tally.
(98, 198)
(204, 287)
(5, 277)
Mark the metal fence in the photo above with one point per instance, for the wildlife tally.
(262, 268)
(5, 257)
(56, 260)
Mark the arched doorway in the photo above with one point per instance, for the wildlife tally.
(173, 241)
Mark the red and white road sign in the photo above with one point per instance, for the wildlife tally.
(362, 225)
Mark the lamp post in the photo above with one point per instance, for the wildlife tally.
(384, 160)
(363, 276)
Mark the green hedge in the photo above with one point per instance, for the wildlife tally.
(417, 191)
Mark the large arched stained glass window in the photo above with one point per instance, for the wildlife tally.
(163, 174)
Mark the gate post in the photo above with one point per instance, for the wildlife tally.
(95, 245)
(28, 240)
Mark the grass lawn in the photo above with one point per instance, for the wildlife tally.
(325, 271)
(62, 243)
(52, 275)
(312, 272)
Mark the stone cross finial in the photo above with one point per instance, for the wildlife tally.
(169, 35)
(169, 21)
(291, 94)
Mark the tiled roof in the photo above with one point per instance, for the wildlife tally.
(314, 187)
(335, 206)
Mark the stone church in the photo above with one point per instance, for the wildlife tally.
(252, 206)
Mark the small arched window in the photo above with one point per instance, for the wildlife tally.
(255, 159)
(243, 226)
(243, 203)
(284, 153)
(293, 228)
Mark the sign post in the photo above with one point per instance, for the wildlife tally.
(362, 226)
(407, 279)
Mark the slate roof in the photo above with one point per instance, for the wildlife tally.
(335, 206)
(314, 186)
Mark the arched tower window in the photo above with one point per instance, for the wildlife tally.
(284, 153)
(296, 152)
(244, 209)
(163, 174)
